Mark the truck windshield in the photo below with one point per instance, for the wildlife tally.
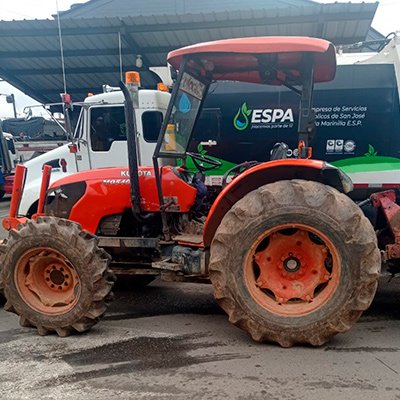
(183, 115)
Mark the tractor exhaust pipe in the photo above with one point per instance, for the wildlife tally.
(132, 148)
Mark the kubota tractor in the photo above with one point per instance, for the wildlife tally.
(291, 258)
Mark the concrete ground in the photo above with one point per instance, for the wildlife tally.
(171, 341)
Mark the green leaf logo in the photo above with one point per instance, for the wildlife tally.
(241, 120)
(371, 151)
(201, 150)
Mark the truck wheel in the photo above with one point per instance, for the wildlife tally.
(294, 262)
(55, 276)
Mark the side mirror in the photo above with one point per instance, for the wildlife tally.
(10, 99)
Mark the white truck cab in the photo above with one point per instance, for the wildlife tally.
(12, 149)
(100, 140)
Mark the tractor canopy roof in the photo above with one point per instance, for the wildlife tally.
(270, 60)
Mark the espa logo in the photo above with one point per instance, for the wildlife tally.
(263, 118)
(241, 120)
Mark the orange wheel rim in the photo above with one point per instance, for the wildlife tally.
(292, 270)
(47, 281)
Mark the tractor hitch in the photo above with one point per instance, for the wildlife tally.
(12, 221)
(386, 202)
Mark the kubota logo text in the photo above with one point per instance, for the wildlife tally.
(263, 118)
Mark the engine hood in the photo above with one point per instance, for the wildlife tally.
(120, 174)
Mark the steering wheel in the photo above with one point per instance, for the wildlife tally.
(202, 158)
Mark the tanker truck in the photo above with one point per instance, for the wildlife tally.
(356, 116)
(357, 119)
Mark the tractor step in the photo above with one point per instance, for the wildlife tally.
(167, 264)
(142, 271)
(110, 241)
(190, 240)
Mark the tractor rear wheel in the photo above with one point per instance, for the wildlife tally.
(294, 262)
(55, 276)
(2, 298)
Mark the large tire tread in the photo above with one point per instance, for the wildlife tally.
(360, 239)
(99, 278)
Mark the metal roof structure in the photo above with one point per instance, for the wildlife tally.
(30, 49)
(121, 8)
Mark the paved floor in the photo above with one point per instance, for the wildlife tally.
(171, 341)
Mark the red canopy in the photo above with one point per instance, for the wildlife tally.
(243, 59)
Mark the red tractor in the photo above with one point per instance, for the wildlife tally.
(292, 259)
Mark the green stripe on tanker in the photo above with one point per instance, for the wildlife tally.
(368, 164)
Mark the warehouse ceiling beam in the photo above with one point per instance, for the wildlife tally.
(190, 26)
(71, 90)
(69, 71)
(132, 44)
(82, 52)
(21, 85)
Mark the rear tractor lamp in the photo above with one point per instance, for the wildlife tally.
(66, 98)
(162, 87)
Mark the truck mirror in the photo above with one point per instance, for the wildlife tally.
(10, 98)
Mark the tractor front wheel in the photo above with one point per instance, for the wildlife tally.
(55, 276)
(294, 262)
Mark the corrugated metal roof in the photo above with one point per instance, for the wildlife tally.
(121, 8)
(30, 50)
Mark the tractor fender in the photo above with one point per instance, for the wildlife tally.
(269, 172)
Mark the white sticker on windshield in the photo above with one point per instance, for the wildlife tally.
(192, 86)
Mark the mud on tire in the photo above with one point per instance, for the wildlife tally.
(2, 298)
(55, 276)
(351, 279)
